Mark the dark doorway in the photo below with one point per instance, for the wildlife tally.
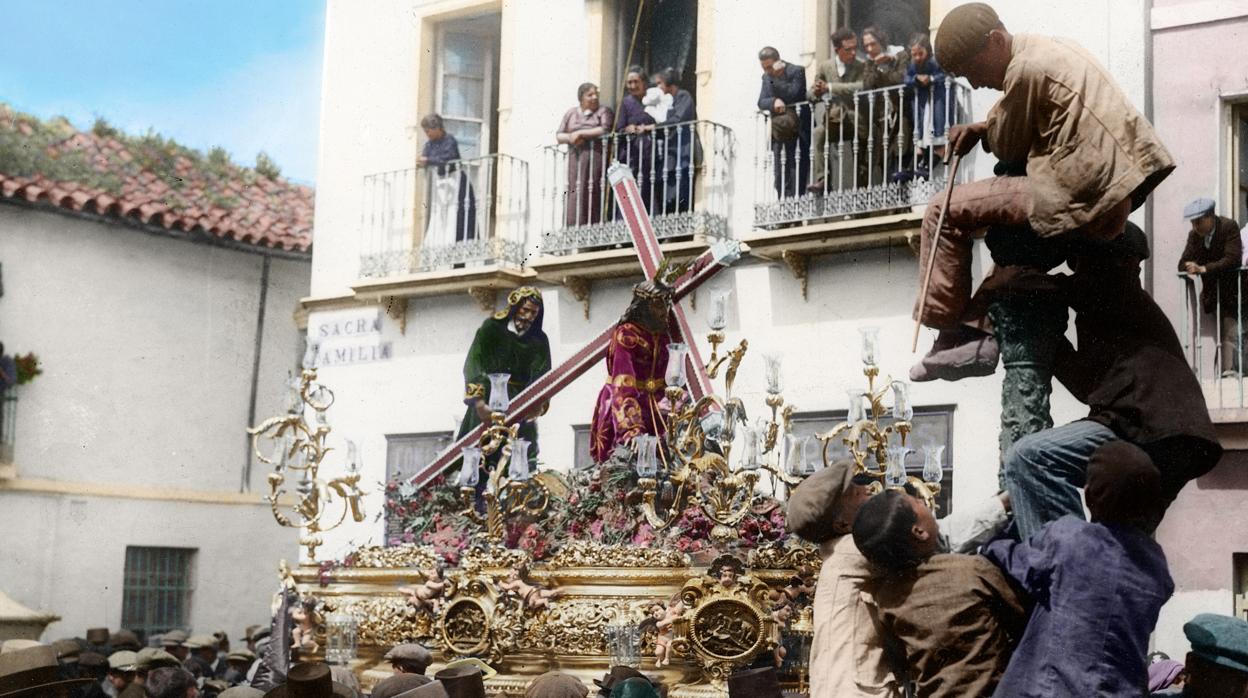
(667, 37)
(896, 18)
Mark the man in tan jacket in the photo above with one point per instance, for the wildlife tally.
(1091, 157)
(847, 655)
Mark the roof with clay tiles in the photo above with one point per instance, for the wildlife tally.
(152, 181)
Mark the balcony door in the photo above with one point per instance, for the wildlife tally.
(466, 90)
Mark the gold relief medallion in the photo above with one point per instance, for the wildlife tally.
(465, 628)
(727, 630)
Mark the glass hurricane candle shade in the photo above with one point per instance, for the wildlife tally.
(895, 473)
(676, 353)
(903, 411)
(771, 370)
(749, 449)
(810, 455)
(500, 399)
(353, 457)
(519, 468)
(647, 455)
(857, 407)
(717, 319)
(341, 630)
(933, 456)
(870, 345)
(470, 471)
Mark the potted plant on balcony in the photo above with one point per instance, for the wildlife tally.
(27, 367)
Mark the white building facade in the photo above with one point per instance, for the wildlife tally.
(804, 290)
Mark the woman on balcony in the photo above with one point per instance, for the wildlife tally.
(581, 130)
(452, 202)
(635, 146)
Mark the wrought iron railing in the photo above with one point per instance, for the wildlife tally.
(1214, 341)
(462, 213)
(865, 152)
(684, 172)
(8, 423)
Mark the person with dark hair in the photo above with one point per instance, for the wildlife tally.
(512, 342)
(884, 134)
(636, 146)
(682, 149)
(628, 405)
(848, 655)
(781, 96)
(452, 200)
(955, 616)
(836, 81)
(1214, 252)
(171, 682)
(927, 82)
(582, 129)
(1098, 586)
(1131, 371)
(1091, 156)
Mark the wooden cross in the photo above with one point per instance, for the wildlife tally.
(720, 255)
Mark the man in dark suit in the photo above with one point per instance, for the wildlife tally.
(1214, 252)
(835, 84)
(783, 96)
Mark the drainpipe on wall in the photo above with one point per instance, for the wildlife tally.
(1148, 114)
(245, 484)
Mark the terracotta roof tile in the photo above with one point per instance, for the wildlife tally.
(152, 180)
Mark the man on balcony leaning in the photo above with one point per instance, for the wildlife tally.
(1214, 252)
(1091, 159)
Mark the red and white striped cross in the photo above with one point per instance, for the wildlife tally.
(720, 255)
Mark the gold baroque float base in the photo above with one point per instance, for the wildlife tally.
(555, 615)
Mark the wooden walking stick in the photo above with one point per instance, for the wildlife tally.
(931, 256)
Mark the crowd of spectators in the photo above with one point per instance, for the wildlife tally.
(875, 112)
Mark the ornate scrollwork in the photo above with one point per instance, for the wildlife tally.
(792, 556)
(465, 627)
(477, 559)
(572, 627)
(385, 622)
(582, 553)
(728, 623)
(406, 555)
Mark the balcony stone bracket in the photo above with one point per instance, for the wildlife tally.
(396, 308)
(799, 264)
(485, 296)
(581, 289)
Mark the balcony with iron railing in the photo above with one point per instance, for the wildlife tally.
(1213, 339)
(867, 152)
(452, 226)
(684, 173)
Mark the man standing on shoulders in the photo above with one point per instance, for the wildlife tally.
(836, 81)
(1214, 252)
(783, 88)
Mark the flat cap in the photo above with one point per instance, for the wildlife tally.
(963, 33)
(1198, 208)
(67, 650)
(196, 642)
(173, 638)
(392, 686)
(97, 636)
(124, 660)
(125, 640)
(241, 655)
(92, 659)
(811, 509)
(556, 684)
(410, 652)
(155, 658)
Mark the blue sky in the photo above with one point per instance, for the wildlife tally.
(242, 74)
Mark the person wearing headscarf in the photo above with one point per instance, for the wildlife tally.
(628, 405)
(1097, 587)
(1165, 678)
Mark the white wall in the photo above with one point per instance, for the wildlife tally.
(147, 345)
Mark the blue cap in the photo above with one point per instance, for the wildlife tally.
(1197, 208)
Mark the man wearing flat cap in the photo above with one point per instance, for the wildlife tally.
(847, 655)
(1091, 157)
(173, 643)
(409, 658)
(1214, 252)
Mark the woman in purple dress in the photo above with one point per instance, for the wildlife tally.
(635, 146)
(581, 130)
